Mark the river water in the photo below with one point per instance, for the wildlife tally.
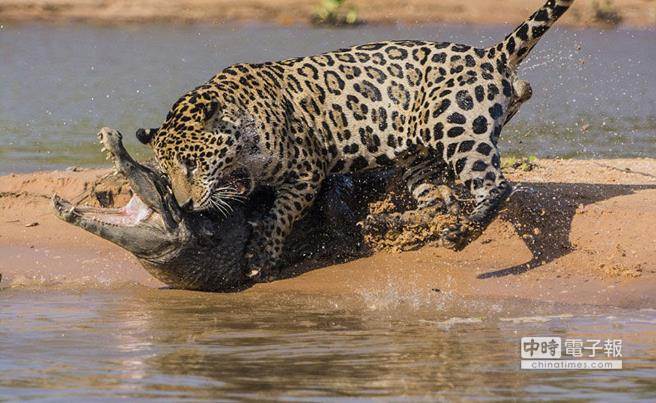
(595, 91)
(595, 96)
(132, 342)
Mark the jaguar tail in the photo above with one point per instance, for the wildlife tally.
(519, 43)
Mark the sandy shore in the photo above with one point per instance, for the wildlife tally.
(634, 13)
(577, 232)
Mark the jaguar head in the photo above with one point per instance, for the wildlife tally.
(199, 147)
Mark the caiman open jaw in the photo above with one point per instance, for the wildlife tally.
(130, 215)
(135, 226)
(145, 226)
(182, 249)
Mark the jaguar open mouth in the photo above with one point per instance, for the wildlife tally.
(239, 183)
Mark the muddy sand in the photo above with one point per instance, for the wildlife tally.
(579, 232)
(635, 13)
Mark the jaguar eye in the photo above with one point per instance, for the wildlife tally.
(189, 164)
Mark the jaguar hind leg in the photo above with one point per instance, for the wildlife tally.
(426, 180)
(481, 172)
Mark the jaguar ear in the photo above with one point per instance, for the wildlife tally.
(145, 136)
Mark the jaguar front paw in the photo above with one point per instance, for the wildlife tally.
(259, 263)
(259, 267)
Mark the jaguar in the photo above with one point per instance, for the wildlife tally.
(427, 108)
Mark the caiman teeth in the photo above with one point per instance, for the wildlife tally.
(61, 207)
(99, 221)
